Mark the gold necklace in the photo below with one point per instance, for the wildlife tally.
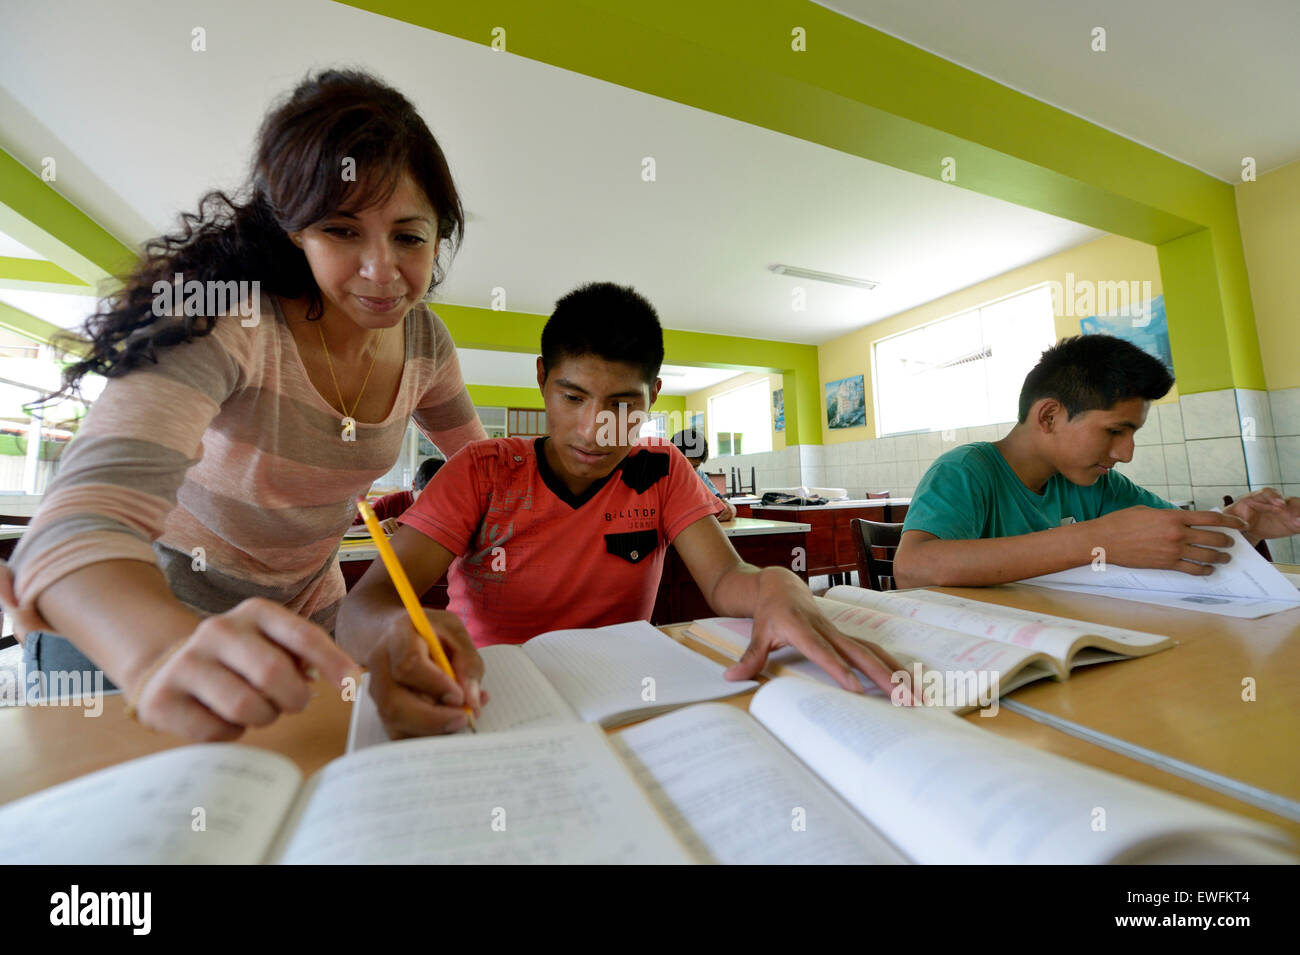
(348, 415)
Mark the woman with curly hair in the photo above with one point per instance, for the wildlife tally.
(188, 545)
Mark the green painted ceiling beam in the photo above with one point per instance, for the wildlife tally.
(35, 214)
(38, 275)
(37, 329)
(860, 91)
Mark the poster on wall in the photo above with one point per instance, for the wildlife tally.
(1145, 327)
(846, 405)
(778, 409)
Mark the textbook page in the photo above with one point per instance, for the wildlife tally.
(613, 675)
(1246, 586)
(554, 795)
(520, 696)
(731, 635)
(947, 792)
(734, 796)
(1055, 636)
(215, 803)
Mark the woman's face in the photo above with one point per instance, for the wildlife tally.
(375, 264)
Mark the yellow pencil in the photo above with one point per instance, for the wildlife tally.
(418, 617)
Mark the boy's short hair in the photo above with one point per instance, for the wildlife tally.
(1094, 372)
(692, 444)
(609, 321)
(425, 472)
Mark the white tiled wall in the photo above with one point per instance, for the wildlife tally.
(1205, 446)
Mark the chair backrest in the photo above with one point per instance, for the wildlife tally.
(1262, 546)
(877, 495)
(875, 543)
(719, 480)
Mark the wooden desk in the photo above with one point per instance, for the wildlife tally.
(763, 543)
(1183, 704)
(44, 746)
(830, 542)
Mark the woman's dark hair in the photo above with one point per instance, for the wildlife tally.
(1094, 372)
(332, 122)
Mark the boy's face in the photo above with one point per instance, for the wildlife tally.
(594, 410)
(1085, 447)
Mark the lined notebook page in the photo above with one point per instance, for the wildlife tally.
(735, 796)
(556, 795)
(616, 674)
(520, 697)
(946, 792)
(144, 811)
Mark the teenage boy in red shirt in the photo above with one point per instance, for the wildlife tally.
(570, 530)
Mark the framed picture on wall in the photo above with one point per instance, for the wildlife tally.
(778, 410)
(1145, 326)
(846, 403)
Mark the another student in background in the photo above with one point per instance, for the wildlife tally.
(392, 506)
(570, 529)
(695, 447)
(1045, 496)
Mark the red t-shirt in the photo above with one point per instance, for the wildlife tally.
(532, 557)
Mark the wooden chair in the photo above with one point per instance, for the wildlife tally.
(1262, 546)
(719, 479)
(876, 543)
(877, 495)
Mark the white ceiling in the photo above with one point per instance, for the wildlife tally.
(1206, 82)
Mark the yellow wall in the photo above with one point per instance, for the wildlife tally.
(1269, 213)
(1109, 259)
(698, 402)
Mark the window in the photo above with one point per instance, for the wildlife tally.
(964, 370)
(740, 420)
(33, 437)
(656, 426)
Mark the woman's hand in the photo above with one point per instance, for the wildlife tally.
(24, 621)
(414, 697)
(238, 669)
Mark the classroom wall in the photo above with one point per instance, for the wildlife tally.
(697, 402)
(1109, 259)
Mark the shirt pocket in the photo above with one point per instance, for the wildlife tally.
(634, 546)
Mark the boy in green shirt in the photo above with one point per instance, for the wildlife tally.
(1041, 499)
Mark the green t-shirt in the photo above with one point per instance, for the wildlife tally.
(971, 493)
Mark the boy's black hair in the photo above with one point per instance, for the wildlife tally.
(425, 472)
(693, 444)
(1094, 372)
(609, 321)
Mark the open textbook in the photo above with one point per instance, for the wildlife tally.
(607, 675)
(811, 775)
(1246, 586)
(973, 651)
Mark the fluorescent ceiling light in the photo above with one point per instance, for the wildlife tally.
(815, 276)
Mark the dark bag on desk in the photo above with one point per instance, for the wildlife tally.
(793, 500)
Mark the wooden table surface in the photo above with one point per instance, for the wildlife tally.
(1185, 703)
(43, 746)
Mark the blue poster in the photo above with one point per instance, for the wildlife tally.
(1148, 329)
(846, 404)
(778, 409)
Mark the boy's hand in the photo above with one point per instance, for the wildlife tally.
(413, 695)
(787, 615)
(1267, 514)
(1164, 538)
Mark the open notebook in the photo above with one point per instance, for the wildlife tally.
(607, 675)
(1247, 586)
(811, 775)
(980, 650)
